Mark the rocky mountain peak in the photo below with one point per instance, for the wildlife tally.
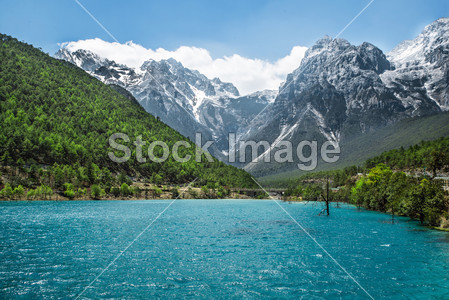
(84, 59)
(413, 52)
(422, 66)
(340, 91)
(183, 98)
(335, 61)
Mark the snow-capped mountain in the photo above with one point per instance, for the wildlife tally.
(422, 66)
(341, 90)
(233, 114)
(184, 99)
(84, 59)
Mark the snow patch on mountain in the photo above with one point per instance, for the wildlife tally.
(422, 66)
(184, 99)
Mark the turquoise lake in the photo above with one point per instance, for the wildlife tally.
(215, 249)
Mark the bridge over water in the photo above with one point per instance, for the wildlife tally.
(255, 192)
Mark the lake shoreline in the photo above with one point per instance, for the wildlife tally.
(133, 191)
(57, 197)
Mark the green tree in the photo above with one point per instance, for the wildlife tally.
(157, 191)
(69, 192)
(81, 192)
(156, 179)
(19, 191)
(115, 191)
(370, 191)
(427, 202)
(7, 191)
(396, 192)
(96, 192)
(30, 194)
(123, 178)
(91, 172)
(435, 160)
(125, 189)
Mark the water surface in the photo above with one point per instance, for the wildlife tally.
(215, 249)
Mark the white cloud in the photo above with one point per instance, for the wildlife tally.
(247, 74)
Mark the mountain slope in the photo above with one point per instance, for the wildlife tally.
(164, 89)
(341, 91)
(404, 133)
(184, 99)
(422, 66)
(52, 112)
(233, 115)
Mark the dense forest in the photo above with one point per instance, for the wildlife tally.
(401, 182)
(56, 121)
(428, 156)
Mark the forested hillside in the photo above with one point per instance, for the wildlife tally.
(430, 156)
(56, 121)
(401, 181)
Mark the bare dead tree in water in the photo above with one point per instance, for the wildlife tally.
(326, 199)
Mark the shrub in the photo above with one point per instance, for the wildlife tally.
(19, 191)
(115, 191)
(68, 186)
(193, 193)
(96, 192)
(157, 191)
(43, 191)
(156, 178)
(6, 191)
(125, 190)
(81, 192)
(205, 192)
(174, 193)
(123, 178)
(69, 194)
(30, 194)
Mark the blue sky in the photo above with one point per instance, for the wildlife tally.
(253, 44)
(252, 28)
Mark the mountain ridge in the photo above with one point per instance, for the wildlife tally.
(341, 91)
(184, 99)
(338, 92)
